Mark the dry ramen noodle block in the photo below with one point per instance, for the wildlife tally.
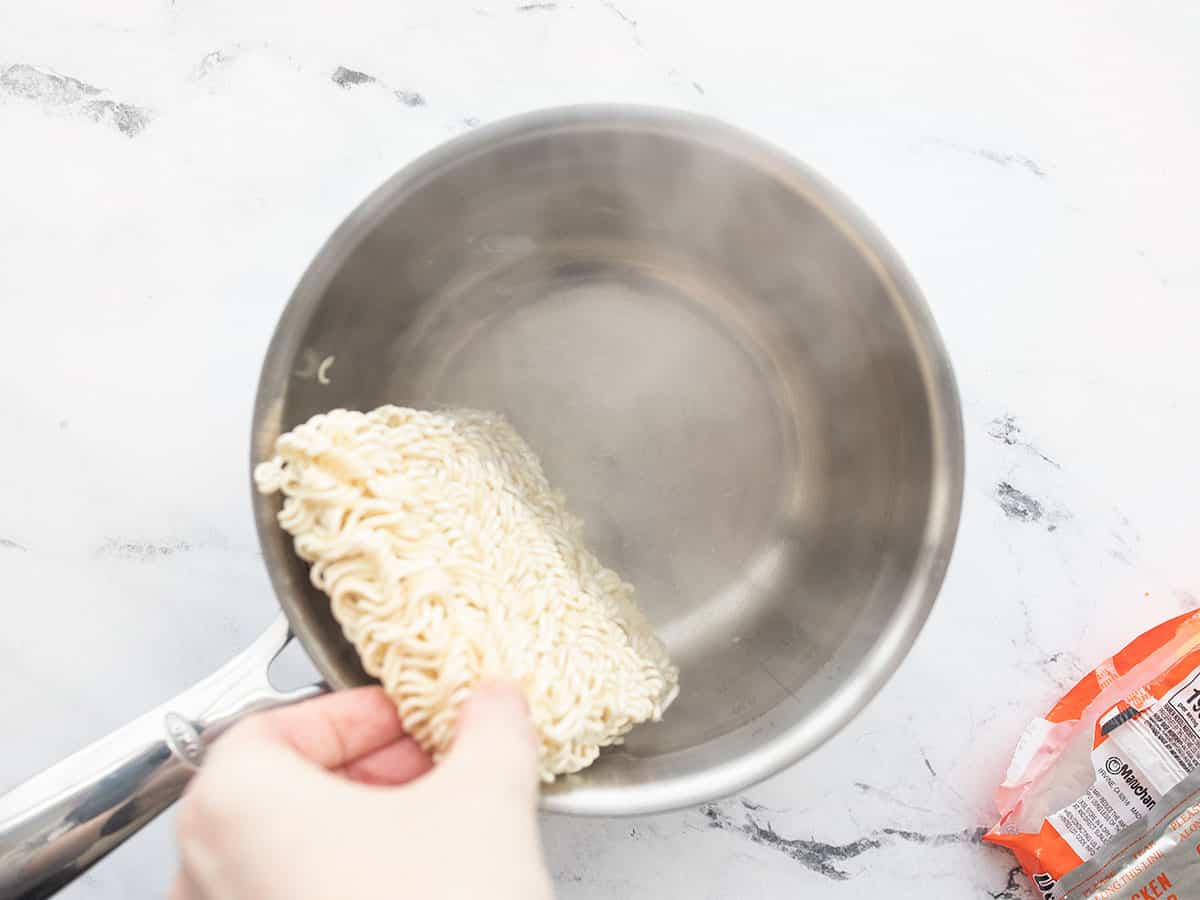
(448, 559)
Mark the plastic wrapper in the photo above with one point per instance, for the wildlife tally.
(1099, 765)
(1156, 859)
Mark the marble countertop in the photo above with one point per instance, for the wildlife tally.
(169, 167)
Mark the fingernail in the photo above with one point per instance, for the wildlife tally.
(503, 694)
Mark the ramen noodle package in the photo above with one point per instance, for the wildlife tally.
(1100, 799)
(1159, 857)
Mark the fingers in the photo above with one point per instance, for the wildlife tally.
(397, 763)
(358, 734)
(335, 730)
(495, 742)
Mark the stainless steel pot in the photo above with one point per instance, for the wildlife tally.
(721, 363)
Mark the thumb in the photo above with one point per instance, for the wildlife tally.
(495, 744)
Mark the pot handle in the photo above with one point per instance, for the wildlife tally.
(62, 821)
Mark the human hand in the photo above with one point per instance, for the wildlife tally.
(329, 799)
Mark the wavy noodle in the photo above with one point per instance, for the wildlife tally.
(448, 559)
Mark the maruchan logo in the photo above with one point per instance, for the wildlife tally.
(1118, 768)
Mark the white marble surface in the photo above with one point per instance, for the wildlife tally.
(1034, 164)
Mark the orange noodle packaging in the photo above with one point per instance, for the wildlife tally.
(1103, 779)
